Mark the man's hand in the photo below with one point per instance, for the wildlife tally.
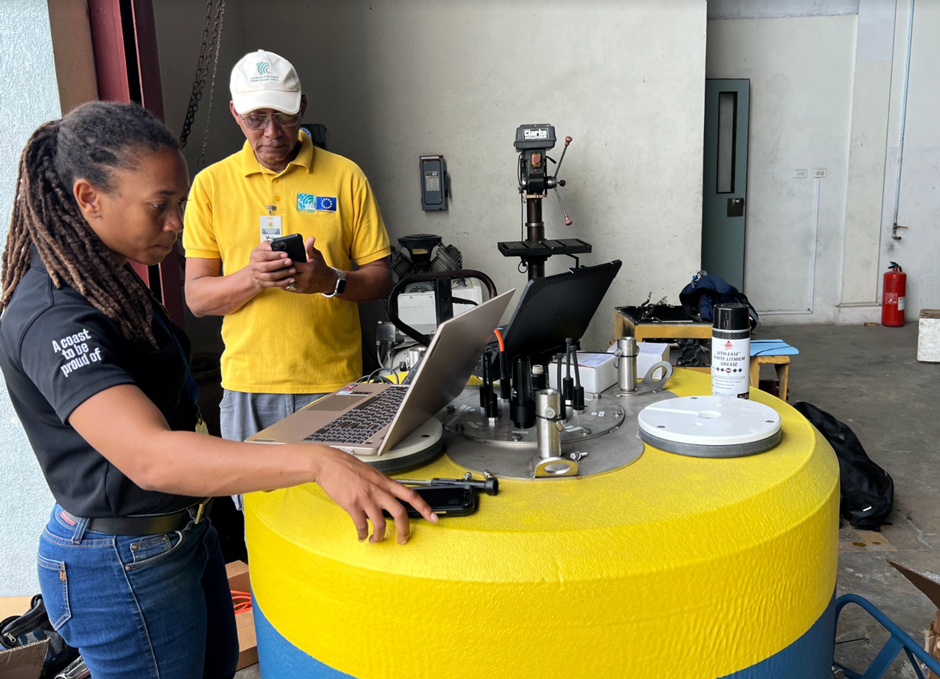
(270, 269)
(315, 275)
(363, 492)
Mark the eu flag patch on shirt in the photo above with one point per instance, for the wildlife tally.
(307, 202)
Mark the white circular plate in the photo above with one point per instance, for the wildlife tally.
(710, 426)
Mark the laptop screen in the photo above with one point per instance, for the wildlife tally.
(447, 365)
(557, 307)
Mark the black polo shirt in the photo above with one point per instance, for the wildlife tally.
(56, 351)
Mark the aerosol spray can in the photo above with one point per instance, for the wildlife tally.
(731, 350)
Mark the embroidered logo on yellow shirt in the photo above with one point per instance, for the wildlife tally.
(307, 202)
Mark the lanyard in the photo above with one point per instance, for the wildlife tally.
(190, 380)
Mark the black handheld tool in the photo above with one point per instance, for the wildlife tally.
(451, 497)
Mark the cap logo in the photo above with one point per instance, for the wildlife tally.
(264, 74)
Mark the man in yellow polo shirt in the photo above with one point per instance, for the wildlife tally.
(291, 329)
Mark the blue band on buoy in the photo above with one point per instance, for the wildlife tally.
(808, 656)
(280, 658)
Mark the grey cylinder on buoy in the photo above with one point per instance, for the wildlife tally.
(626, 369)
(546, 411)
(731, 350)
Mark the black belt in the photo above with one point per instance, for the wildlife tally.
(152, 524)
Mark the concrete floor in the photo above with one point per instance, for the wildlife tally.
(870, 379)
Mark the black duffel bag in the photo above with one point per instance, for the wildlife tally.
(867, 489)
(33, 626)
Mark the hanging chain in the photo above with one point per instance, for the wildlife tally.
(202, 68)
(214, 44)
(199, 81)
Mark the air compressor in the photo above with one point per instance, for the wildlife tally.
(893, 302)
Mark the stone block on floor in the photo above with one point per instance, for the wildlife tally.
(928, 336)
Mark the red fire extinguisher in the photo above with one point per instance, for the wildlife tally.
(892, 305)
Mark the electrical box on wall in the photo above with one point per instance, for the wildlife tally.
(433, 183)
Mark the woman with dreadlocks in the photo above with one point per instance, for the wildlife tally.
(130, 568)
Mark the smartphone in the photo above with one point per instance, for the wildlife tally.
(293, 245)
(445, 501)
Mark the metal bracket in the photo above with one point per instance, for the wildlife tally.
(648, 384)
(553, 467)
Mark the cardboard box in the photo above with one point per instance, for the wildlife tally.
(238, 580)
(14, 605)
(929, 584)
(24, 662)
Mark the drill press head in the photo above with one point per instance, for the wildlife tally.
(533, 143)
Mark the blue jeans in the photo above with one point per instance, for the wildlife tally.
(148, 607)
(242, 415)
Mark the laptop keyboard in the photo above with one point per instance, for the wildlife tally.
(362, 422)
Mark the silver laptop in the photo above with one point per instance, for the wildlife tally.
(371, 419)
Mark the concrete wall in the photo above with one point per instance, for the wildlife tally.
(856, 103)
(396, 80)
(919, 200)
(868, 145)
(179, 25)
(29, 97)
(800, 71)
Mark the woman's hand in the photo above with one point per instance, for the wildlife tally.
(363, 492)
(126, 427)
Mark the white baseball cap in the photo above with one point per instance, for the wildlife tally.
(263, 79)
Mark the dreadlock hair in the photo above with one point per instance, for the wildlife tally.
(91, 142)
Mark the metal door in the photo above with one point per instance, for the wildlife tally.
(724, 179)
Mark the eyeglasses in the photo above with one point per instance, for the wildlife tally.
(259, 121)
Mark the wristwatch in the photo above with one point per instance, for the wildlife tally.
(340, 283)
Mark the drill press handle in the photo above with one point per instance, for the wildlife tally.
(554, 183)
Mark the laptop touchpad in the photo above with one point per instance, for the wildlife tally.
(337, 402)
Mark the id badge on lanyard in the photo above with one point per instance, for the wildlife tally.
(270, 227)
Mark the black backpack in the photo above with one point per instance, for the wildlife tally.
(706, 290)
(867, 489)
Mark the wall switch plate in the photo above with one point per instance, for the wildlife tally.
(819, 174)
(799, 174)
